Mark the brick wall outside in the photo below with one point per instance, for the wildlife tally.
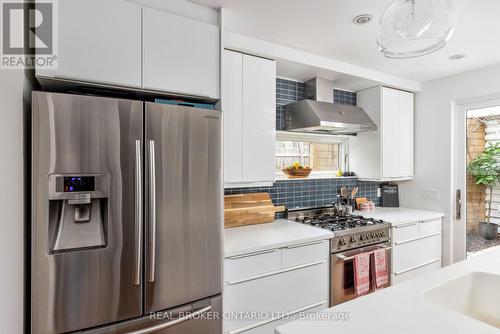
(476, 196)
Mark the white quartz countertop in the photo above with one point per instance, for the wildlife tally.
(280, 233)
(403, 308)
(397, 216)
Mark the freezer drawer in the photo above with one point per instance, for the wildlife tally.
(201, 317)
(184, 205)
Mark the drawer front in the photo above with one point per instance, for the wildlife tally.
(405, 232)
(246, 266)
(430, 227)
(306, 253)
(411, 255)
(268, 327)
(416, 272)
(281, 292)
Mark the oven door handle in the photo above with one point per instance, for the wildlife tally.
(347, 258)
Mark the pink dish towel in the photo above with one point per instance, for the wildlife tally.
(381, 272)
(362, 273)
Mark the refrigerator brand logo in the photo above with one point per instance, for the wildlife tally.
(29, 34)
(212, 117)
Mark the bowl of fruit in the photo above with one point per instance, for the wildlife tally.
(297, 171)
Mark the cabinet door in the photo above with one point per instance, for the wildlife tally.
(406, 133)
(232, 109)
(391, 130)
(180, 55)
(259, 119)
(99, 41)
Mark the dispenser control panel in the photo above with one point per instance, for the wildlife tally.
(78, 183)
(69, 186)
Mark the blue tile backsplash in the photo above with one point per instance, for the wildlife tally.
(310, 192)
(344, 97)
(307, 192)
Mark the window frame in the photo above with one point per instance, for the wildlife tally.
(342, 140)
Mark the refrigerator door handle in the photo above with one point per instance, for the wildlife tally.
(152, 211)
(153, 329)
(138, 212)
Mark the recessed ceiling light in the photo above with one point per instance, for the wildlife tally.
(362, 19)
(457, 56)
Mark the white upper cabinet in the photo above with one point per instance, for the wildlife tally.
(121, 43)
(232, 113)
(385, 154)
(249, 111)
(99, 41)
(180, 55)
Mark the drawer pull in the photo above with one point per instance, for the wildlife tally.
(416, 267)
(285, 314)
(304, 244)
(417, 238)
(430, 220)
(406, 225)
(253, 254)
(271, 273)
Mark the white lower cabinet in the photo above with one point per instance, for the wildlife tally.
(416, 249)
(257, 300)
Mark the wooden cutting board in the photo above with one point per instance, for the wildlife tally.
(249, 209)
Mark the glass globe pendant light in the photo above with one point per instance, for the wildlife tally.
(413, 28)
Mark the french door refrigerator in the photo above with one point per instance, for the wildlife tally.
(126, 216)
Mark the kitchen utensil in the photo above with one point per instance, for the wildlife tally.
(354, 192)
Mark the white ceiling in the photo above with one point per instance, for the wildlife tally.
(325, 27)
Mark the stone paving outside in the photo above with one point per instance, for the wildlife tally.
(477, 245)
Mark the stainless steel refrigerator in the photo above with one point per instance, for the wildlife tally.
(126, 216)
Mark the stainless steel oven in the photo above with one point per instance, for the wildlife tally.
(342, 272)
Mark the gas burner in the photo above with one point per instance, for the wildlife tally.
(337, 223)
(349, 231)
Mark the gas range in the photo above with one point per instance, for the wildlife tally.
(349, 232)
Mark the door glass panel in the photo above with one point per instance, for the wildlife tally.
(483, 188)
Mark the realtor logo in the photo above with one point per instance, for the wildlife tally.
(29, 34)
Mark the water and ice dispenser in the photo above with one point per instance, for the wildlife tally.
(78, 211)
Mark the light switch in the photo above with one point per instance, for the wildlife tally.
(431, 193)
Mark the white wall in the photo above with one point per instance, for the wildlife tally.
(11, 201)
(433, 141)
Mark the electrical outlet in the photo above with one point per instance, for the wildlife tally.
(431, 193)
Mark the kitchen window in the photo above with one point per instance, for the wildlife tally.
(323, 153)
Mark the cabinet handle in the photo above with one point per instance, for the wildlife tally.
(265, 322)
(406, 225)
(271, 273)
(430, 220)
(418, 238)
(416, 267)
(304, 244)
(253, 254)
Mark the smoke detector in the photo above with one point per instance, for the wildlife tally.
(362, 19)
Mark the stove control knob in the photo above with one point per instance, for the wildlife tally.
(361, 237)
(353, 239)
(341, 241)
(381, 234)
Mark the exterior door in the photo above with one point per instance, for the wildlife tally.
(83, 284)
(184, 205)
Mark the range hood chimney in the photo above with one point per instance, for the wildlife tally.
(318, 114)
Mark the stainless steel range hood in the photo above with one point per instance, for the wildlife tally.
(317, 113)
